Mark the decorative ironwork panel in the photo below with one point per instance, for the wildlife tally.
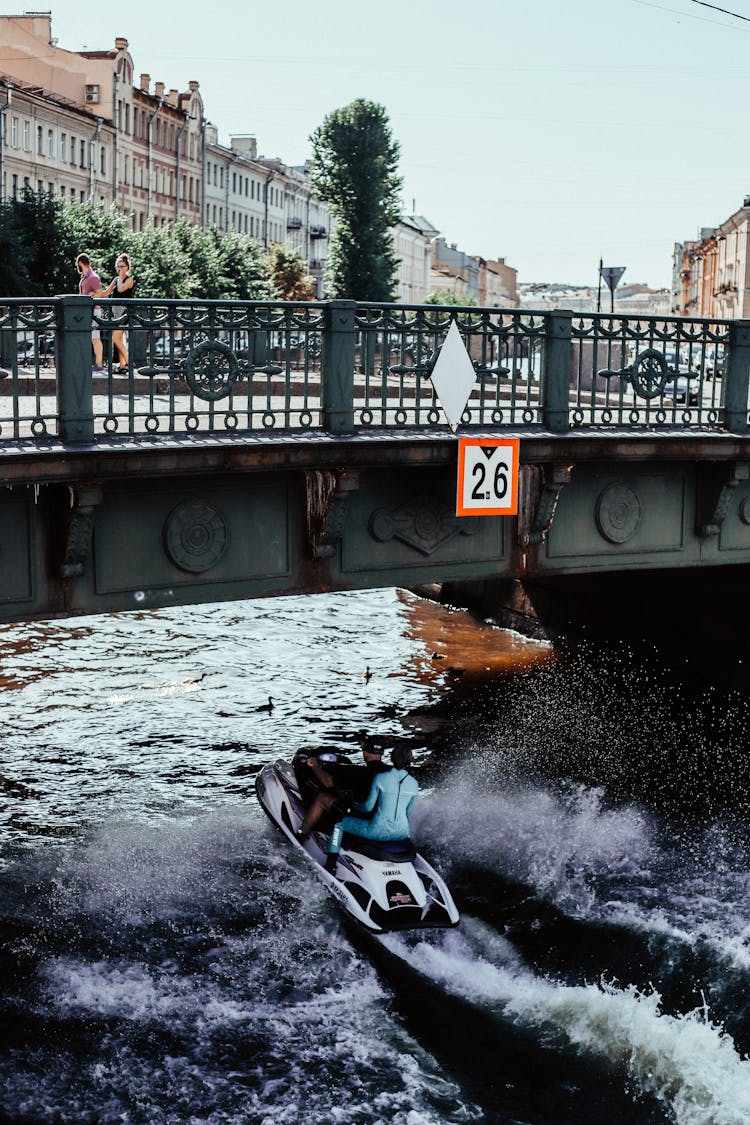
(209, 367)
(396, 349)
(28, 402)
(637, 372)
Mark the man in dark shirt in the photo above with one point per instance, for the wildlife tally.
(341, 785)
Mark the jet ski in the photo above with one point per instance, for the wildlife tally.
(383, 885)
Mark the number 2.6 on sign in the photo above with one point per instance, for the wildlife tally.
(487, 477)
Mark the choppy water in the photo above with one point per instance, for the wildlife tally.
(166, 959)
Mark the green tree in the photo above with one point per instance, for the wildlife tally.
(355, 169)
(288, 275)
(161, 265)
(39, 217)
(14, 253)
(100, 232)
(445, 297)
(245, 266)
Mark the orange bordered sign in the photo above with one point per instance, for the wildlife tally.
(487, 477)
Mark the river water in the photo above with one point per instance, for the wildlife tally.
(166, 957)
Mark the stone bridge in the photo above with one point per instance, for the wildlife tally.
(258, 449)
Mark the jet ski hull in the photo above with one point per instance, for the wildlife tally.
(382, 895)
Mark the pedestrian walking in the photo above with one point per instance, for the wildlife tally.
(90, 285)
(121, 287)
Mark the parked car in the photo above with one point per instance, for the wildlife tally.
(684, 387)
(166, 347)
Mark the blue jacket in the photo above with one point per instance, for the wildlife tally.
(392, 796)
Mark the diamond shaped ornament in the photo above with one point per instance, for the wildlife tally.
(453, 376)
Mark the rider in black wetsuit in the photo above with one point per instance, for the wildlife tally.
(342, 785)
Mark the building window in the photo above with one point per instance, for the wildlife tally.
(72, 150)
(83, 197)
(221, 177)
(62, 190)
(50, 143)
(234, 183)
(39, 141)
(127, 118)
(63, 146)
(15, 186)
(14, 131)
(103, 161)
(82, 155)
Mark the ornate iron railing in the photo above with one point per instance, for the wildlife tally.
(210, 367)
(218, 367)
(396, 349)
(28, 400)
(636, 372)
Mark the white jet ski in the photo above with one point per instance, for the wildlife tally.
(383, 885)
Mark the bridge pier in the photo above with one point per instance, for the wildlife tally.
(697, 620)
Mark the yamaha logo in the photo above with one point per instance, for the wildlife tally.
(396, 872)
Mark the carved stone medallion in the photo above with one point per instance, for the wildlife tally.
(423, 523)
(618, 513)
(196, 536)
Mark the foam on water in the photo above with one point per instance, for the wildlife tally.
(548, 839)
(594, 860)
(688, 1062)
(201, 974)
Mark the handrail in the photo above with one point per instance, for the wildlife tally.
(344, 367)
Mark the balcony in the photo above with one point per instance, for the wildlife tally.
(294, 224)
(318, 232)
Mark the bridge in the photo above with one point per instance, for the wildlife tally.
(265, 448)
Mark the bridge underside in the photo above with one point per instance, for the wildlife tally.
(623, 542)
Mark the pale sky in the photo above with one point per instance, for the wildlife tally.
(547, 132)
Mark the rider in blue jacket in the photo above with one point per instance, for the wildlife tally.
(390, 801)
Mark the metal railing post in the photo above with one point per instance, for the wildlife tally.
(556, 370)
(337, 374)
(737, 376)
(75, 398)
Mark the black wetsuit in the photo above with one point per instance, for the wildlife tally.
(353, 783)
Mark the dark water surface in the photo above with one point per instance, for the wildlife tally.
(165, 958)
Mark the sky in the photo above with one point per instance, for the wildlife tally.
(551, 133)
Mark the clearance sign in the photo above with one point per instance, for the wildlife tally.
(487, 477)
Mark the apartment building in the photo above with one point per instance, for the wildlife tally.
(76, 123)
(711, 274)
(498, 284)
(265, 198)
(447, 261)
(413, 239)
(139, 148)
(50, 144)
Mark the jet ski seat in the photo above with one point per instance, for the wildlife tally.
(388, 851)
